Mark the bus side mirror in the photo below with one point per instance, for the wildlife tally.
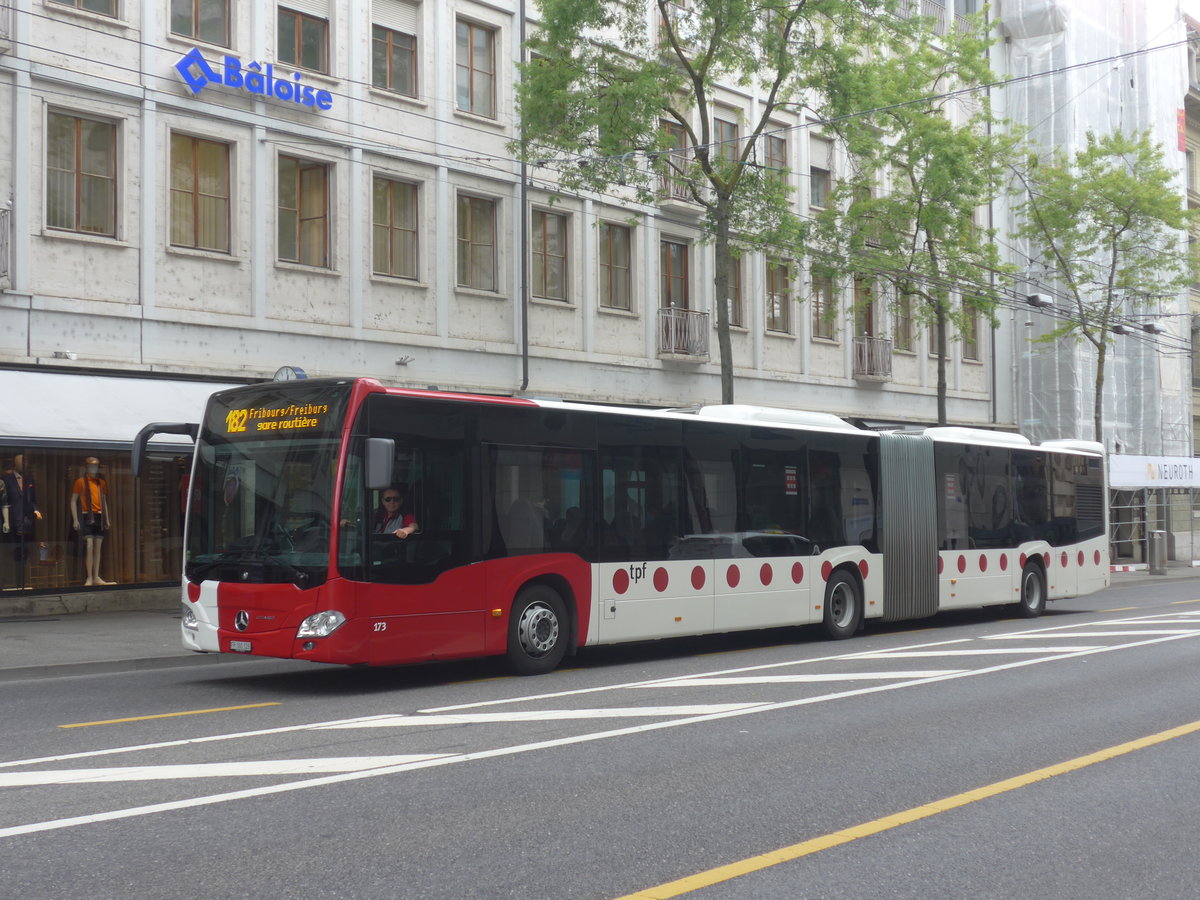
(380, 453)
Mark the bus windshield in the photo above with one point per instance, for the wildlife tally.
(262, 490)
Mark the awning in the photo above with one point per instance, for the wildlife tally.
(58, 407)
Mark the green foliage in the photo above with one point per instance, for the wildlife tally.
(1111, 225)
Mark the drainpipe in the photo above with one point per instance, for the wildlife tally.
(524, 288)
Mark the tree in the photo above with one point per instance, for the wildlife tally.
(927, 158)
(631, 105)
(1110, 225)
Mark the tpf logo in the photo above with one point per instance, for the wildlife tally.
(197, 73)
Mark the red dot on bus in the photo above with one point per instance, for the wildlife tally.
(620, 581)
(193, 592)
(863, 568)
(962, 563)
(1023, 560)
(797, 573)
(826, 570)
(1081, 559)
(1003, 562)
(982, 562)
(661, 579)
(1097, 557)
(1064, 560)
(733, 576)
(698, 577)
(1046, 559)
(941, 564)
(764, 574)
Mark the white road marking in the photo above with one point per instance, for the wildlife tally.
(709, 680)
(208, 770)
(543, 715)
(1093, 634)
(988, 651)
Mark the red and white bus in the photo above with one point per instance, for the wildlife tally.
(536, 527)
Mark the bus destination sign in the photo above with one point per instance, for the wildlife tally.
(291, 418)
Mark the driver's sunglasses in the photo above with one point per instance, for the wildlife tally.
(391, 499)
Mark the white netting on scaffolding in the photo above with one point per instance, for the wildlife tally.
(1147, 391)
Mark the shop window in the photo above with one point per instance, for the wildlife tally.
(137, 532)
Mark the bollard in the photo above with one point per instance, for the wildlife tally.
(1158, 553)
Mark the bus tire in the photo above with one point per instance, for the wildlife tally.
(1033, 592)
(537, 631)
(843, 606)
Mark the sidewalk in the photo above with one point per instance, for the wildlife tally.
(86, 643)
(95, 643)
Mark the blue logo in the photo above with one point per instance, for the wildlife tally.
(198, 73)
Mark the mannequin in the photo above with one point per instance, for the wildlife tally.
(89, 516)
(23, 512)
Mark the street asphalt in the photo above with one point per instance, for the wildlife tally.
(101, 642)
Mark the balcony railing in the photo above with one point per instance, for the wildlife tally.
(872, 358)
(683, 334)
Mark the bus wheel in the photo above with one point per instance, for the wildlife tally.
(1033, 593)
(843, 606)
(537, 631)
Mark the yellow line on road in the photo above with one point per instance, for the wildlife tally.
(846, 835)
(1178, 602)
(190, 712)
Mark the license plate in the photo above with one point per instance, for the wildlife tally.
(239, 646)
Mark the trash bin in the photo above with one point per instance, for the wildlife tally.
(1158, 553)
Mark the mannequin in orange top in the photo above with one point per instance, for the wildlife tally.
(89, 515)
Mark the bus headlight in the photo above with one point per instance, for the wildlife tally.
(189, 619)
(321, 624)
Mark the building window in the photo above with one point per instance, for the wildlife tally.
(725, 134)
(674, 182)
(673, 263)
(477, 243)
(303, 40)
(779, 297)
(864, 308)
(104, 7)
(819, 185)
(615, 266)
(201, 20)
(775, 155)
(970, 336)
(303, 212)
(199, 193)
(820, 172)
(81, 173)
(549, 245)
(822, 305)
(736, 315)
(475, 69)
(902, 322)
(394, 61)
(394, 228)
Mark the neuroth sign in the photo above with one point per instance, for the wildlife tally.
(254, 78)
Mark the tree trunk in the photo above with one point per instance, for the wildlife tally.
(721, 296)
(1098, 407)
(941, 363)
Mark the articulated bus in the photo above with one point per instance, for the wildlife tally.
(534, 527)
